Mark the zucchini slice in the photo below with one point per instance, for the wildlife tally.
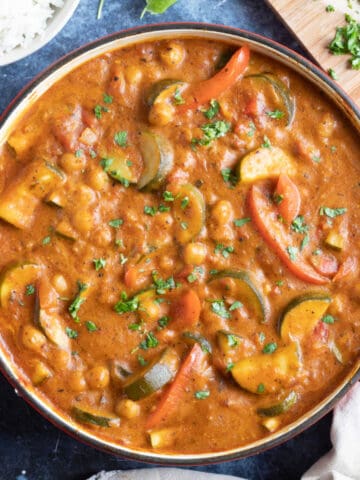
(273, 371)
(93, 417)
(162, 90)
(191, 338)
(158, 158)
(279, 408)
(189, 213)
(245, 291)
(265, 163)
(15, 278)
(227, 341)
(20, 199)
(281, 89)
(301, 315)
(153, 377)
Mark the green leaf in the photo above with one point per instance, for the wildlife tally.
(91, 326)
(116, 222)
(332, 212)
(275, 114)
(126, 304)
(30, 289)
(157, 6)
(239, 222)
(120, 138)
(213, 110)
(270, 347)
(71, 333)
(218, 307)
(202, 394)
(298, 225)
(99, 263)
(329, 319)
(292, 251)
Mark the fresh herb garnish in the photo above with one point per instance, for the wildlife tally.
(229, 176)
(122, 259)
(79, 153)
(168, 196)
(298, 225)
(279, 283)
(91, 326)
(275, 114)
(347, 41)
(225, 251)
(120, 138)
(332, 212)
(218, 307)
(329, 319)
(239, 222)
(116, 222)
(330, 8)
(161, 285)
(163, 322)
(184, 202)
(277, 198)
(150, 341)
(260, 388)
(99, 263)
(292, 251)
(157, 6)
(29, 289)
(183, 225)
(333, 74)
(71, 333)
(270, 347)
(150, 210)
(142, 361)
(305, 241)
(46, 240)
(202, 394)
(107, 98)
(235, 305)
(230, 366)
(178, 99)
(262, 337)
(78, 301)
(266, 142)
(126, 304)
(212, 131)
(213, 110)
(98, 111)
(252, 129)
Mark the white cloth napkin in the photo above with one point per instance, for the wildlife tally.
(341, 463)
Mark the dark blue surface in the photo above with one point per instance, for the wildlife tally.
(29, 443)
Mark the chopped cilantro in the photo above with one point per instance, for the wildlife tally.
(71, 333)
(347, 41)
(213, 110)
(229, 176)
(168, 196)
(184, 225)
(162, 208)
(185, 202)
(232, 340)
(298, 225)
(99, 263)
(46, 240)
(333, 74)
(29, 289)
(279, 283)
(317, 252)
(150, 341)
(93, 154)
(239, 222)
(329, 319)
(107, 98)
(157, 6)
(292, 251)
(270, 347)
(230, 366)
(91, 326)
(330, 8)
(150, 210)
(126, 304)
(78, 301)
(79, 153)
(218, 307)
(120, 138)
(260, 388)
(122, 259)
(235, 305)
(212, 131)
(277, 198)
(142, 361)
(116, 222)
(213, 271)
(275, 114)
(262, 337)
(332, 212)
(135, 326)
(202, 394)
(98, 111)
(252, 129)
(163, 322)
(191, 278)
(266, 142)
(225, 251)
(162, 285)
(304, 242)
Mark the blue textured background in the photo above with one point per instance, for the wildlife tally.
(29, 443)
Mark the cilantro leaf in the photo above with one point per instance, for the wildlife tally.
(126, 304)
(120, 138)
(332, 212)
(157, 6)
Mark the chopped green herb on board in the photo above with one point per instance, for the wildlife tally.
(347, 41)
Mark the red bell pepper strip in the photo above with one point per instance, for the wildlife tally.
(170, 400)
(289, 198)
(203, 92)
(264, 217)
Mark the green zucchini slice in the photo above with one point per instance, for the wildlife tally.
(189, 213)
(95, 418)
(153, 377)
(279, 408)
(265, 163)
(116, 165)
(281, 89)
(158, 158)
(272, 371)
(302, 314)
(192, 338)
(15, 278)
(244, 290)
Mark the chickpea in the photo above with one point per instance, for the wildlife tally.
(133, 74)
(222, 212)
(161, 114)
(103, 237)
(32, 338)
(195, 253)
(98, 377)
(72, 163)
(98, 179)
(173, 54)
(86, 195)
(76, 381)
(83, 221)
(150, 310)
(60, 284)
(61, 360)
(127, 408)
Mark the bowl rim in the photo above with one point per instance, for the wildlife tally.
(13, 372)
(55, 24)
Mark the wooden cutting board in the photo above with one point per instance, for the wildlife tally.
(315, 28)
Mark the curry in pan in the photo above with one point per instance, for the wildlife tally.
(180, 246)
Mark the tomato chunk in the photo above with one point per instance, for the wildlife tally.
(289, 199)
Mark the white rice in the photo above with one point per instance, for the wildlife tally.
(22, 20)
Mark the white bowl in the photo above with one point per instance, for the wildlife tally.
(59, 19)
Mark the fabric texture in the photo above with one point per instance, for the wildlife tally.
(341, 463)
